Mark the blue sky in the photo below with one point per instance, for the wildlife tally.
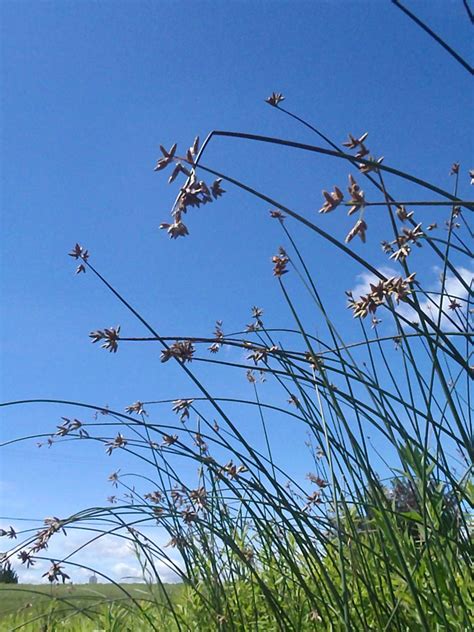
(89, 91)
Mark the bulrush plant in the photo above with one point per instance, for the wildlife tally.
(378, 535)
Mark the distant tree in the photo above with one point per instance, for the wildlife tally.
(8, 575)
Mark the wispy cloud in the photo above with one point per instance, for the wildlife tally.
(438, 300)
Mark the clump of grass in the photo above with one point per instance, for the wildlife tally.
(378, 537)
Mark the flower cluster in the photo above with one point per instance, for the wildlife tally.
(169, 440)
(257, 313)
(219, 335)
(293, 400)
(199, 497)
(354, 143)
(26, 558)
(359, 228)
(10, 533)
(199, 442)
(362, 152)
(332, 200)
(154, 497)
(55, 573)
(276, 214)
(374, 163)
(258, 354)
(52, 525)
(396, 287)
(70, 425)
(275, 98)
(114, 478)
(403, 240)
(181, 350)
(167, 157)
(312, 500)
(118, 442)
(252, 379)
(194, 192)
(280, 262)
(136, 408)
(181, 406)
(189, 515)
(317, 480)
(357, 196)
(78, 252)
(232, 470)
(177, 542)
(316, 361)
(110, 337)
(454, 304)
(403, 214)
(357, 200)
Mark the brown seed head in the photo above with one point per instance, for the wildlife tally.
(402, 213)
(55, 573)
(358, 229)
(182, 406)
(169, 439)
(110, 337)
(114, 477)
(78, 252)
(276, 214)
(137, 408)
(175, 230)
(373, 166)
(353, 142)
(275, 98)
(118, 442)
(182, 351)
(280, 262)
(332, 200)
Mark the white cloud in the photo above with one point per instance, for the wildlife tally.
(453, 289)
(110, 555)
(127, 572)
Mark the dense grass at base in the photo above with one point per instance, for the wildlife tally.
(243, 604)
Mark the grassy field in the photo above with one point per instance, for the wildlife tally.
(14, 597)
(26, 602)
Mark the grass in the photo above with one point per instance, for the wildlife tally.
(379, 535)
(74, 607)
(15, 597)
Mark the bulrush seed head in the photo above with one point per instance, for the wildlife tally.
(275, 98)
(332, 200)
(109, 336)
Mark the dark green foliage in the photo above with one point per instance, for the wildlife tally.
(8, 575)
